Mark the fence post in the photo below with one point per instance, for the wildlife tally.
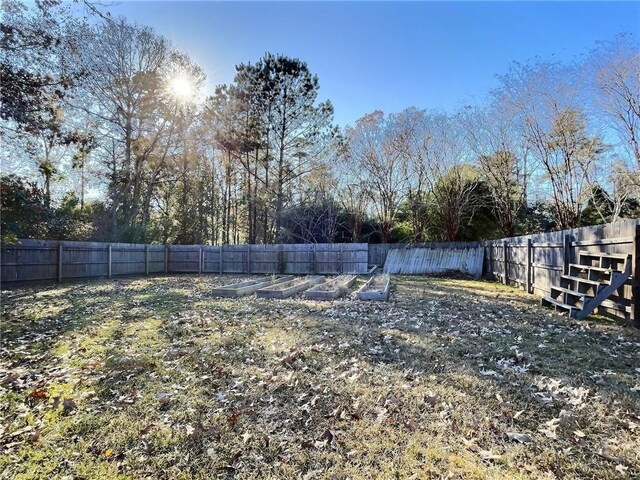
(146, 259)
(340, 264)
(566, 258)
(60, 262)
(635, 285)
(220, 260)
(505, 263)
(529, 272)
(109, 258)
(248, 258)
(166, 259)
(280, 259)
(200, 260)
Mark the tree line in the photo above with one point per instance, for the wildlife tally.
(107, 136)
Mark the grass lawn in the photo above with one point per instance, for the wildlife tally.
(155, 378)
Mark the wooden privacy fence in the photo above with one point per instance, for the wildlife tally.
(378, 251)
(47, 260)
(536, 262)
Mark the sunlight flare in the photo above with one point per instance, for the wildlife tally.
(181, 88)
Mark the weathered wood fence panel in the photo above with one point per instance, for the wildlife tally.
(378, 251)
(184, 259)
(264, 258)
(420, 261)
(45, 260)
(354, 257)
(536, 262)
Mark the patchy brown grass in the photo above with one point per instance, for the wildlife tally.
(154, 378)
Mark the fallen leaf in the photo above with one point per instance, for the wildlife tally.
(39, 394)
(621, 468)
(392, 400)
(163, 398)
(328, 437)
(489, 455)
(518, 437)
(431, 399)
(146, 429)
(68, 405)
(412, 425)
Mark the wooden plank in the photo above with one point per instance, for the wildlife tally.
(607, 241)
(250, 286)
(110, 254)
(166, 259)
(635, 291)
(281, 268)
(566, 254)
(60, 252)
(332, 289)
(376, 288)
(290, 288)
(505, 264)
(529, 256)
(314, 263)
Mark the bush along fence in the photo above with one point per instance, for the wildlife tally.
(537, 262)
(47, 260)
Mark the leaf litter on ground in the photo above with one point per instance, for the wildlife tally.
(451, 377)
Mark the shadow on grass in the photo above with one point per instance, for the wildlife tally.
(254, 386)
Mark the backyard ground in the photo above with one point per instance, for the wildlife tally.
(155, 378)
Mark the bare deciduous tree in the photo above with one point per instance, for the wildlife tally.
(502, 157)
(616, 66)
(381, 168)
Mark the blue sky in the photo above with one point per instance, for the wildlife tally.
(386, 55)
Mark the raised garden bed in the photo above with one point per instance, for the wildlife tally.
(251, 286)
(290, 288)
(376, 288)
(332, 289)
